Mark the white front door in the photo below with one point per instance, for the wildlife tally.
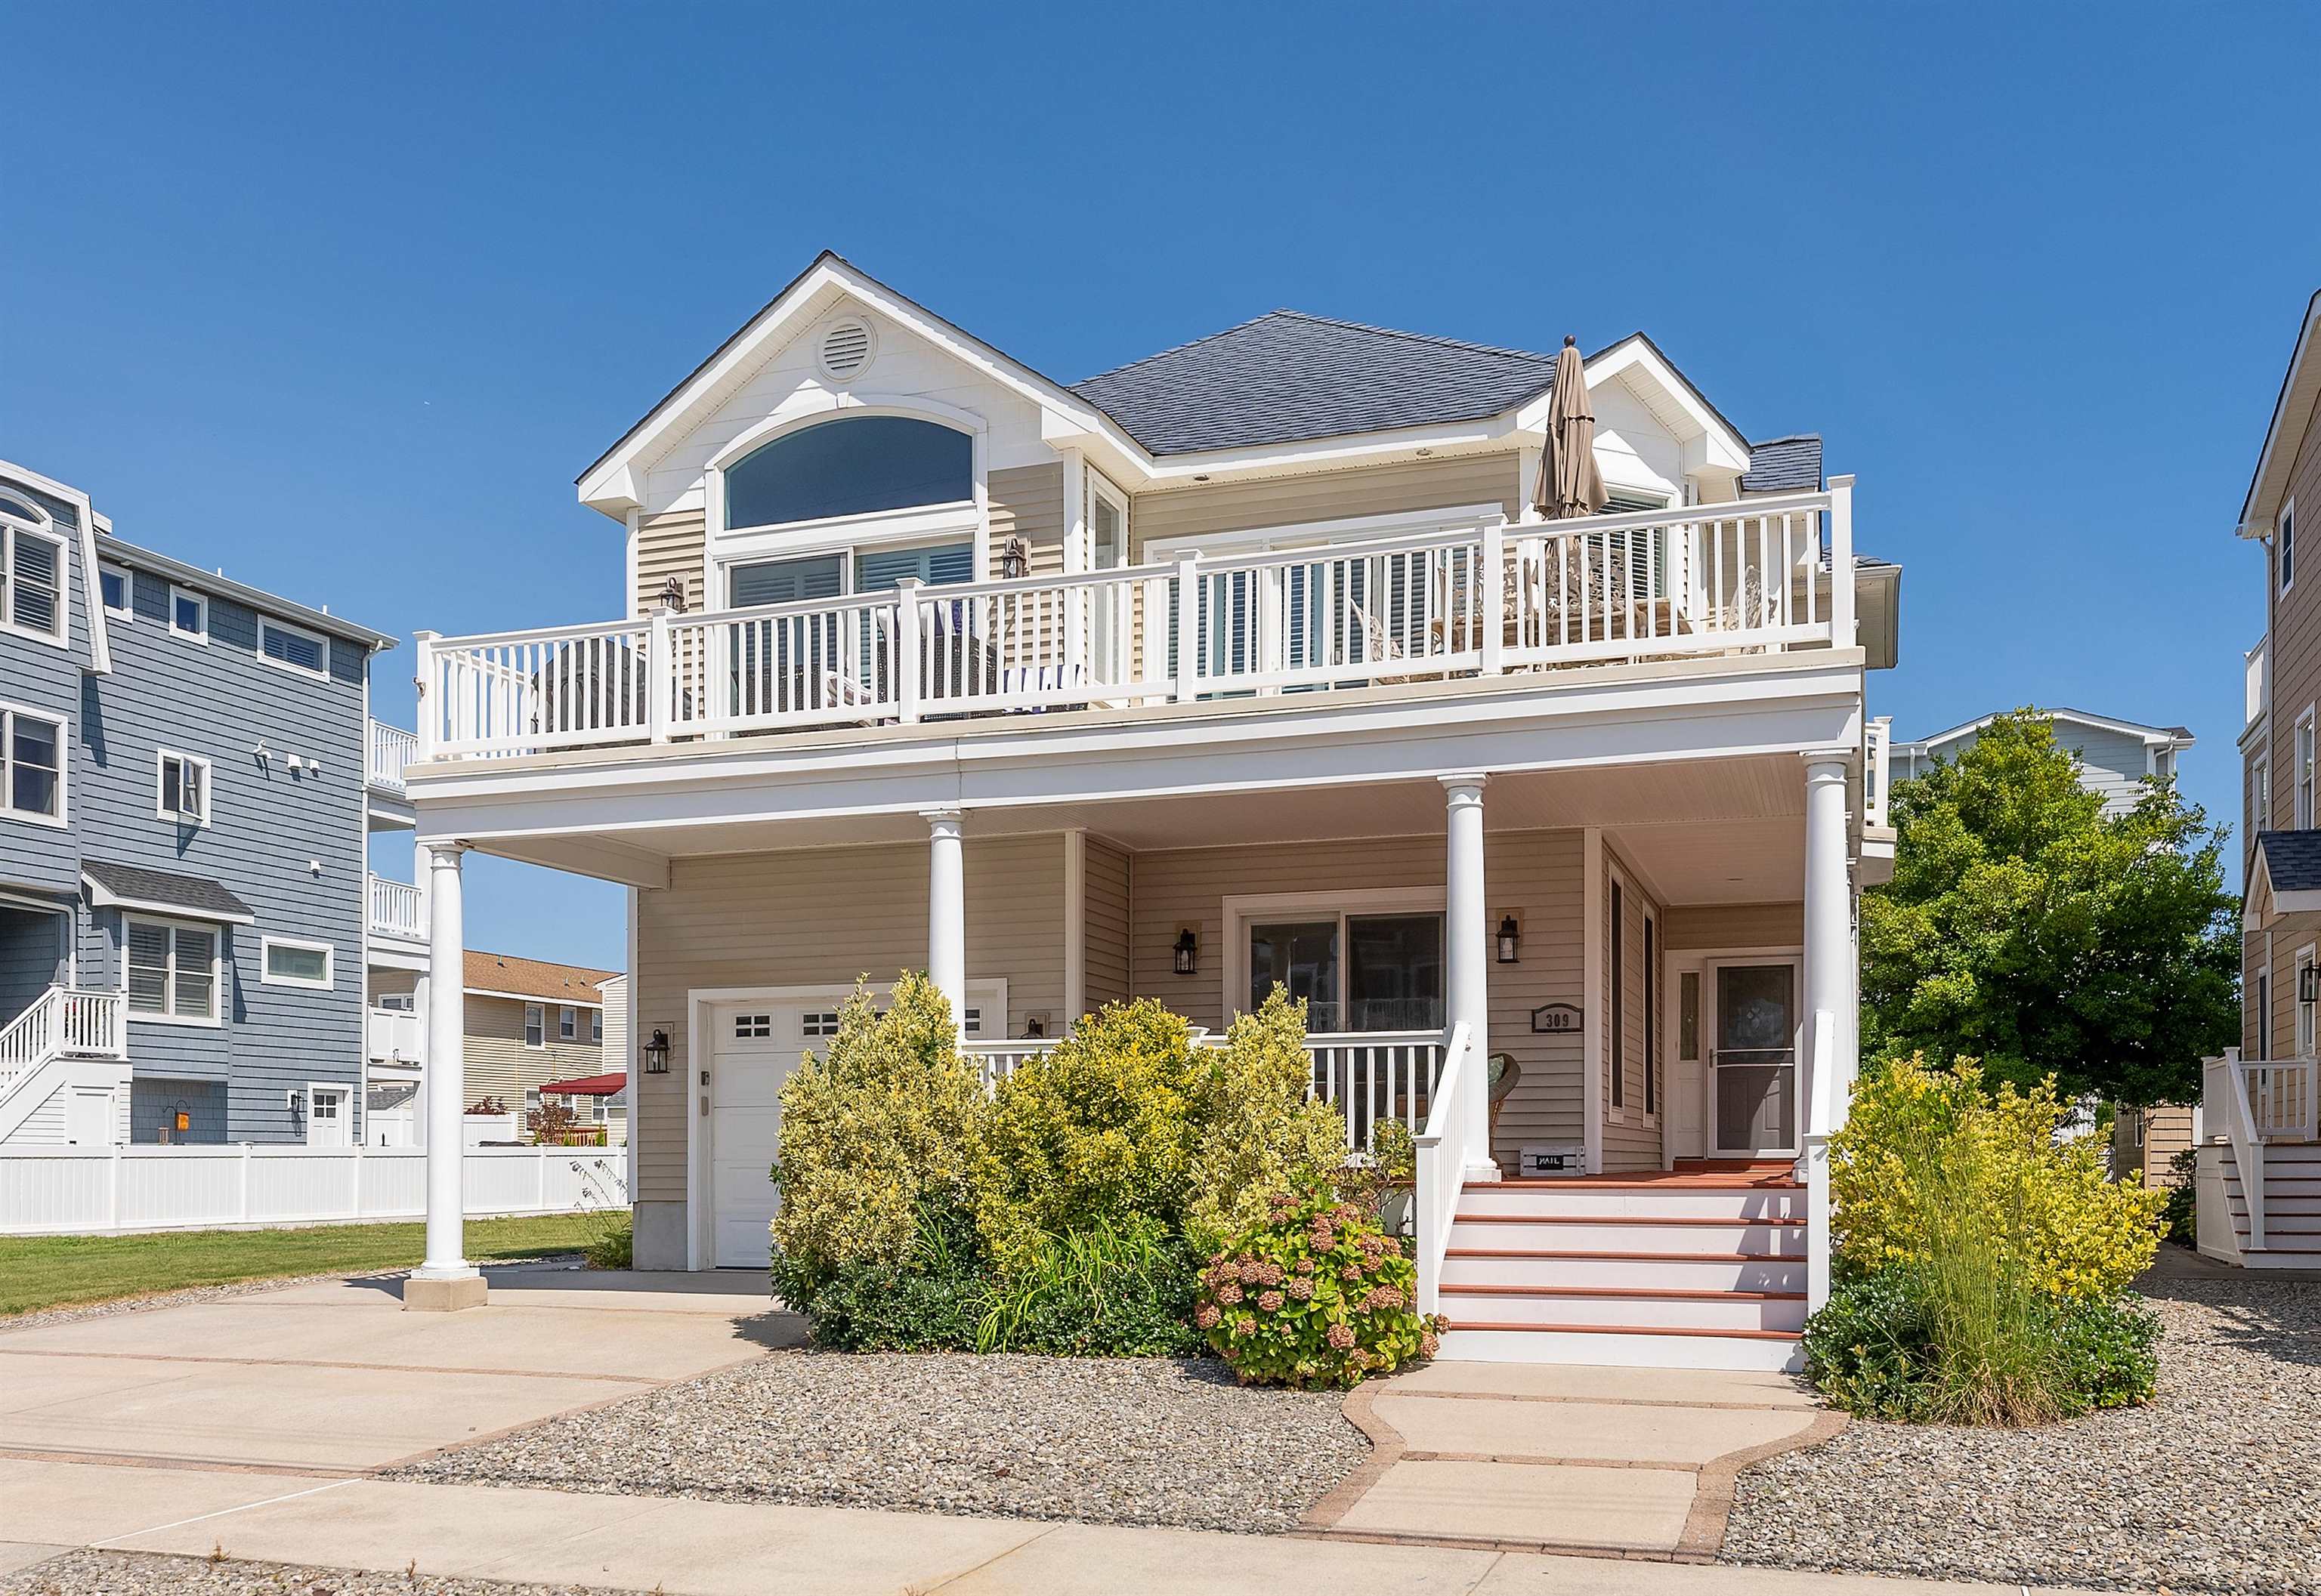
(1752, 1074)
(328, 1121)
(756, 1046)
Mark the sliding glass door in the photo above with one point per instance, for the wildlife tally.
(1356, 971)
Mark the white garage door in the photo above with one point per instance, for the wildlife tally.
(758, 1046)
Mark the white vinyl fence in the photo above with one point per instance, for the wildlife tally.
(73, 1190)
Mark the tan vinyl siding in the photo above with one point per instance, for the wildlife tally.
(825, 917)
(1535, 874)
(499, 1065)
(1027, 502)
(1632, 1136)
(1105, 877)
(672, 545)
(2288, 934)
(1326, 495)
(1737, 925)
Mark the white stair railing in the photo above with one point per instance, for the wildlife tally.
(2224, 1107)
(1824, 1114)
(62, 1020)
(1442, 1163)
(1373, 1075)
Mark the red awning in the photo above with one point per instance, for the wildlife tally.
(588, 1085)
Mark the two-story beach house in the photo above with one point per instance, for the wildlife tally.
(1254, 662)
(2259, 1161)
(2116, 756)
(188, 774)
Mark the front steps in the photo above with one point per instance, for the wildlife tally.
(1698, 1268)
(2292, 1207)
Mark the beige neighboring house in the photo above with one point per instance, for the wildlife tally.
(529, 1022)
(2144, 1142)
(1255, 661)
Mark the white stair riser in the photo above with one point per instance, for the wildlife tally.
(1612, 1236)
(1668, 1202)
(2277, 1206)
(1741, 1275)
(1690, 1313)
(1627, 1352)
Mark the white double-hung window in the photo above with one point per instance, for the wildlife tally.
(31, 573)
(32, 766)
(2304, 800)
(536, 1026)
(173, 971)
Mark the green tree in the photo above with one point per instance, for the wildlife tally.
(2026, 927)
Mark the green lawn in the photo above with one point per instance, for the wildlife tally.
(57, 1271)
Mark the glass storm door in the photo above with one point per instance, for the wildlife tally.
(1753, 1059)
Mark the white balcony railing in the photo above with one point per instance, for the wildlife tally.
(391, 749)
(1877, 778)
(396, 909)
(1461, 598)
(63, 1023)
(393, 1036)
(2259, 668)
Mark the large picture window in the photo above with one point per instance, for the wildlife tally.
(173, 970)
(859, 466)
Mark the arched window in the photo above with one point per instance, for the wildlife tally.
(855, 467)
(32, 571)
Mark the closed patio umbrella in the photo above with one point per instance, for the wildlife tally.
(1568, 481)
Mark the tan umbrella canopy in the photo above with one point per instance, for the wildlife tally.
(1569, 482)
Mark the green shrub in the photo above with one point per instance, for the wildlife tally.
(1314, 1294)
(932, 1302)
(1104, 1293)
(2182, 1213)
(1981, 1261)
(613, 1247)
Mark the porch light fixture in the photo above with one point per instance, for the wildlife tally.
(1510, 939)
(2308, 984)
(1186, 956)
(657, 1054)
(672, 595)
(1015, 560)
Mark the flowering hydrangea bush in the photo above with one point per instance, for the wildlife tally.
(1314, 1294)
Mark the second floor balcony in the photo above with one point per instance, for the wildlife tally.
(1461, 597)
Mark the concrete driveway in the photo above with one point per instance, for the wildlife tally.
(334, 1378)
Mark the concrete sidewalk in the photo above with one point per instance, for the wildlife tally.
(700, 1548)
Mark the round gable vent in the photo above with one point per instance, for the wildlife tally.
(846, 349)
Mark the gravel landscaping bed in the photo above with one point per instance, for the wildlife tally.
(138, 1574)
(1101, 1440)
(2216, 1486)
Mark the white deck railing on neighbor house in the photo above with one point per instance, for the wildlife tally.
(2259, 668)
(394, 1036)
(391, 749)
(1464, 597)
(67, 1190)
(1877, 779)
(398, 909)
(63, 1022)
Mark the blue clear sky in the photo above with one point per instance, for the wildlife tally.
(342, 298)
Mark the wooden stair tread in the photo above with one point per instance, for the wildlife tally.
(1651, 1293)
(1458, 1324)
(1614, 1182)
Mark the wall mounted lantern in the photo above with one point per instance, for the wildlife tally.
(1186, 956)
(2308, 983)
(1510, 939)
(657, 1054)
(1015, 560)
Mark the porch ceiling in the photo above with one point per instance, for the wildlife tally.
(1725, 831)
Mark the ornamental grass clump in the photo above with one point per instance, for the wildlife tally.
(1314, 1294)
(1982, 1261)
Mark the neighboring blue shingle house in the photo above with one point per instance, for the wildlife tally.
(2115, 755)
(183, 809)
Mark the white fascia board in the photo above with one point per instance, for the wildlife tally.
(613, 483)
(100, 641)
(2284, 432)
(2296, 902)
(1613, 722)
(2154, 736)
(561, 1001)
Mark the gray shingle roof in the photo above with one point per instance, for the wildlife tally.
(1286, 376)
(161, 889)
(1784, 466)
(2293, 859)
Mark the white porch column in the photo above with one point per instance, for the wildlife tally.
(947, 913)
(445, 1280)
(1466, 958)
(1827, 1075)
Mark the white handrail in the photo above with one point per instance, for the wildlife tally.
(396, 909)
(62, 1020)
(391, 749)
(2225, 1103)
(1441, 1165)
(1821, 1122)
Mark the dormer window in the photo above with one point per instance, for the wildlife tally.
(32, 572)
(865, 465)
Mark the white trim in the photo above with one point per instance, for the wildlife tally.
(531, 997)
(320, 673)
(161, 757)
(127, 612)
(100, 644)
(9, 712)
(1342, 530)
(267, 977)
(2151, 736)
(1710, 963)
(1592, 900)
(201, 599)
(2284, 544)
(12, 529)
(532, 1007)
(567, 1022)
(1075, 929)
(1240, 910)
(169, 1015)
(2305, 775)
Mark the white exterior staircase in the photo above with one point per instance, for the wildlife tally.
(2259, 1181)
(1701, 1267)
(63, 1062)
(2292, 1206)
